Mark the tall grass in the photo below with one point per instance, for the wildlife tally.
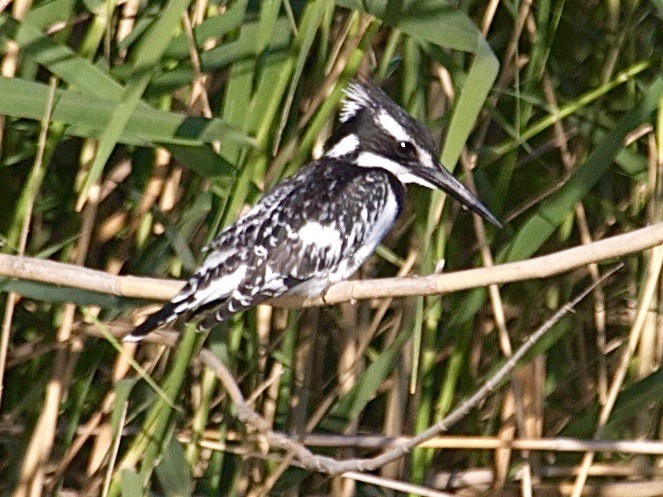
(133, 131)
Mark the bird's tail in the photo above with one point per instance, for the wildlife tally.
(166, 314)
(222, 310)
(214, 310)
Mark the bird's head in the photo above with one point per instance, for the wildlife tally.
(375, 132)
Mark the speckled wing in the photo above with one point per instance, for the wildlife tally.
(312, 230)
(312, 236)
(329, 229)
(229, 258)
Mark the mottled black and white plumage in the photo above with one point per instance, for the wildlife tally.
(318, 226)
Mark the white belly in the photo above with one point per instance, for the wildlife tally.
(349, 266)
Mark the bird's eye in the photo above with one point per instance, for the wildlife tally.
(407, 148)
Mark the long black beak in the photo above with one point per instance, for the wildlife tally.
(443, 180)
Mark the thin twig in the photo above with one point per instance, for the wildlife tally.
(461, 411)
(114, 451)
(377, 442)
(502, 457)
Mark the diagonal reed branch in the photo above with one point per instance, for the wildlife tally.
(68, 275)
(309, 460)
(401, 449)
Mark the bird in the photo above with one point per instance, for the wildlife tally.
(316, 227)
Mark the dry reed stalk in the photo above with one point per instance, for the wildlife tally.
(155, 185)
(391, 484)
(37, 454)
(34, 183)
(126, 24)
(569, 161)
(647, 356)
(303, 369)
(651, 283)
(9, 64)
(502, 457)
(397, 398)
(469, 161)
(198, 96)
(509, 62)
(72, 276)
(326, 402)
(38, 446)
(488, 17)
(104, 436)
(103, 439)
(458, 442)
(350, 362)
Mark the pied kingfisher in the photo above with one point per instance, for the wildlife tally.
(318, 226)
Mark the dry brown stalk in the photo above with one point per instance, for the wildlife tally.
(10, 61)
(399, 486)
(510, 61)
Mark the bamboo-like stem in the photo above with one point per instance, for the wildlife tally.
(10, 61)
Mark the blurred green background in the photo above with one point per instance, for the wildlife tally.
(132, 131)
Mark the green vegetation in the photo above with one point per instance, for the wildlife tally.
(133, 131)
